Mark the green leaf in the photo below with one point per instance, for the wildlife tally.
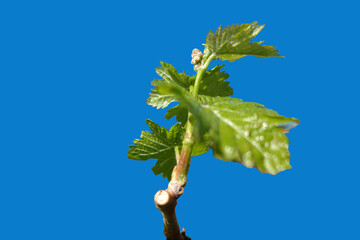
(169, 77)
(213, 84)
(201, 146)
(160, 144)
(242, 132)
(159, 100)
(233, 42)
(180, 112)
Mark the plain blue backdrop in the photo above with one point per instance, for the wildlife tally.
(75, 76)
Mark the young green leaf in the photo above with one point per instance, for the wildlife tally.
(233, 42)
(247, 133)
(201, 146)
(180, 112)
(169, 76)
(160, 144)
(159, 100)
(213, 84)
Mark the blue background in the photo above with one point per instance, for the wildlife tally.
(75, 76)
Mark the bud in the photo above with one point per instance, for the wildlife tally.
(197, 57)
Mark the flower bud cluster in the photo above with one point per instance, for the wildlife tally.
(197, 57)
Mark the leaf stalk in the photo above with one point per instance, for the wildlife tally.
(200, 74)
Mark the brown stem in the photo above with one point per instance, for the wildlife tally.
(165, 201)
